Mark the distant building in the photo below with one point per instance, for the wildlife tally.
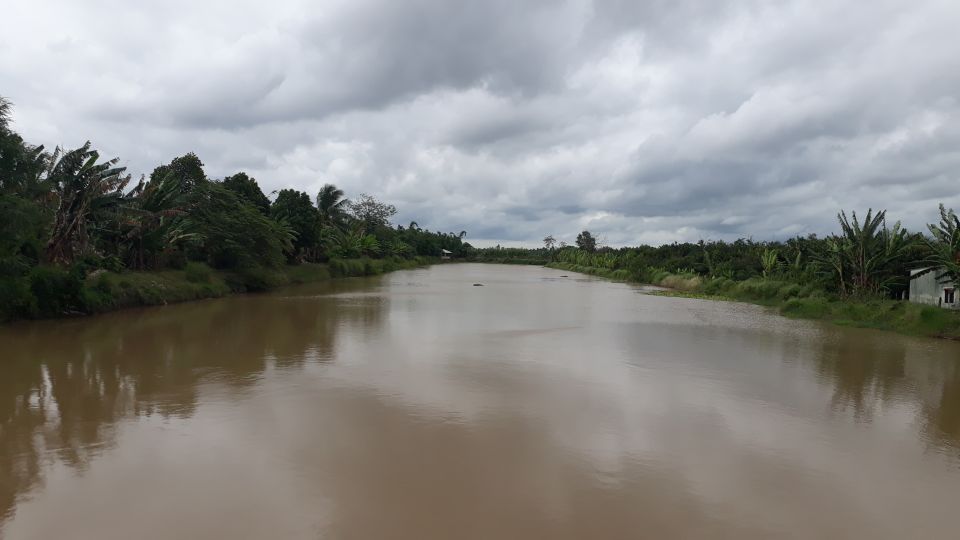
(444, 254)
(926, 289)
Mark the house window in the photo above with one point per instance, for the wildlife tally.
(948, 296)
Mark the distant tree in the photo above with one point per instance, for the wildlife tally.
(586, 241)
(549, 242)
(296, 210)
(246, 188)
(332, 205)
(371, 212)
(188, 169)
(4, 113)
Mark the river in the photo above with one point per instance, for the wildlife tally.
(416, 405)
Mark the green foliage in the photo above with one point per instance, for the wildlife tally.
(231, 233)
(16, 298)
(944, 247)
(295, 209)
(57, 291)
(866, 258)
(89, 195)
(257, 279)
(185, 171)
(806, 308)
(332, 206)
(196, 272)
(22, 227)
(247, 189)
(769, 260)
(586, 242)
(347, 267)
(371, 212)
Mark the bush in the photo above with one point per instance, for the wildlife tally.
(717, 286)
(99, 296)
(16, 298)
(806, 308)
(347, 267)
(258, 279)
(682, 282)
(198, 272)
(790, 290)
(56, 290)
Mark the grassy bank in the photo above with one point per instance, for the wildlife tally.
(798, 301)
(51, 292)
(512, 260)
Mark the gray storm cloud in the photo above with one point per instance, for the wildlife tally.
(642, 121)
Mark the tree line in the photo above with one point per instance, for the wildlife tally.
(67, 213)
(866, 258)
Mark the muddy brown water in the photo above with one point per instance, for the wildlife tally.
(415, 406)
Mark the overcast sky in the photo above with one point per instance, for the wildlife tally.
(642, 121)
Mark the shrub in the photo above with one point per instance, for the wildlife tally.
(197, 272)
(790, 290)
(98, 296)
(806, 308)
(681, 283)
(16, 298)
(56, 290)
(717, 285)
(347, 267)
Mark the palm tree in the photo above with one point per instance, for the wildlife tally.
(86, 192)
(156, 218)
(944, 246)
(332, 205)
(863, 259)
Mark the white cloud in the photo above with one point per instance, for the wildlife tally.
(645, 121)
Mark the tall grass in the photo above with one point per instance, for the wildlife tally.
(795, 300)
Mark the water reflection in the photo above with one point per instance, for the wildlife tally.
(64, 385)
(607, 408)
(869, 371)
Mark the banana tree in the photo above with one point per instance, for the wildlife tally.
(944, 247)
(85, 191)
(769, 260)
(864, 259)
(156, 219)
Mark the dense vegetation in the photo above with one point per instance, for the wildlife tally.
(852, 276)
(73, 228)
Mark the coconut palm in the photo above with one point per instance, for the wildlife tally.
(332, 205)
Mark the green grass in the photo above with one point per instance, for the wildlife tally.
(799, 301)
(51, 293)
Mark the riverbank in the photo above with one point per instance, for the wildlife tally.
(54, 292)
(800, 302)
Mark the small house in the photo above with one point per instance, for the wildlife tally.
(927, 289)
(445, 254)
